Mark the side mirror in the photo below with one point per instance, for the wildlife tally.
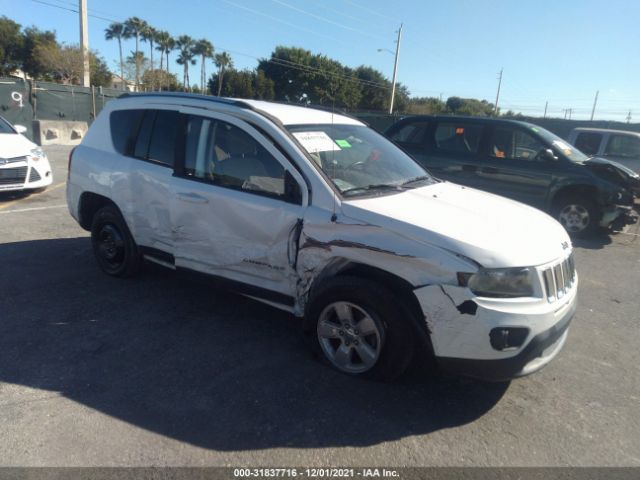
(292, 192)
(547, 154)
(20, 128)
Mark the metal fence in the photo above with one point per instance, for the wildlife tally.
(23, 101)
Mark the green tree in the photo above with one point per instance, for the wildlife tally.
(157, 76)
(133, 28)
(425, 106)
(11, 46)
(149, 35)
(469, 106)
(223, 61)
(35, 39)
(185, 44)
(116, 31)
(203, 48)
(263, 87)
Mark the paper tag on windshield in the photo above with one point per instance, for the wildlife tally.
(566, 149)
(315, 142)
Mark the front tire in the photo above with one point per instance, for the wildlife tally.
(113, 246)
(577, 214)
(360, 328)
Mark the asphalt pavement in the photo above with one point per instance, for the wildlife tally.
(162, 370)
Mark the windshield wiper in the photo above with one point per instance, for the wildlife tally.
(368, 188)
(416, 180)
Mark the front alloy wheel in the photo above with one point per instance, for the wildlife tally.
(349, 337)
(574, 218)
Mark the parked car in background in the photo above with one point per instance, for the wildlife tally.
(617, 145)
(319, 215)
(23, 164)
(523, 162)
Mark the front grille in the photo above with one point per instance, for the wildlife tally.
(559, 278)
(34, 176)
(4, 161)
(9, 176)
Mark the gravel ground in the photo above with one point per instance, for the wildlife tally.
(162, 370)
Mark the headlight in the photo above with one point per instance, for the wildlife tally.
(499, 282)
(36, 154)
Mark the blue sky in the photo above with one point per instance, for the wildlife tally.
(560, 51)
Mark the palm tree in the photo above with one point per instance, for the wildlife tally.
(223, 60)
(149, 34)
(133, 27)
(204, 48)
(116, 30)
(185, 44)
(162, 39)
(171, 45)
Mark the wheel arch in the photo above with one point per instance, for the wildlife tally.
(577, 189)
(403, 289)
(90, 203)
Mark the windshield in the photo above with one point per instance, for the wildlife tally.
(358, 160)
(5, 127)
(559, 145)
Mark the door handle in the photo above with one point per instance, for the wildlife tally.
(489, 170)
(192, 197)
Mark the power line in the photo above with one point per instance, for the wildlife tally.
(313, 15)
(367, 9)
(73, 10)
(256, 12)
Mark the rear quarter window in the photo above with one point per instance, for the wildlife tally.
(124, 126)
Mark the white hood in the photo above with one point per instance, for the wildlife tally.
(492, 230)
(14, 145)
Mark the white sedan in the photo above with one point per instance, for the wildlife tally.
(23, 165)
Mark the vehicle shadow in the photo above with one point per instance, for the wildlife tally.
(197, 364)
(597, 241)
(14, 195)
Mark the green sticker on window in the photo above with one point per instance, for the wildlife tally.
(535, 129)
(343, 144)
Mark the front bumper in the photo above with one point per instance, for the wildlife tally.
(462, 338)
(25, 174)
(540, 350)
(615, 213)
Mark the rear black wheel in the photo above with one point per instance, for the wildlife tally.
(113, 246)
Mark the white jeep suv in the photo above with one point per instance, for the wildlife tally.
(317, 214)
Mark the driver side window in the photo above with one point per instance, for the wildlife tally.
(226, 155)
(514, 144)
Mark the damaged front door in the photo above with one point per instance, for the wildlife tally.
(233, 213)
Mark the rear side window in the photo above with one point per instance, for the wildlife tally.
(411, 133)
(623, 146)
(163, 137)
(458, 137)
(124, 125)
(141, 149)
(588, 142)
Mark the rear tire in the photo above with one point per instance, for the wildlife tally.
(113, 245)
(577, 214)
(360, 328)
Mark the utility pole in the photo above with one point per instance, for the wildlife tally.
(629, 117)
(495, 112)
(546, 104)
(84, 43)
(395, 71)
(595, 101)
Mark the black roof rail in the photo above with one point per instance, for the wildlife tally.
(187, 95)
